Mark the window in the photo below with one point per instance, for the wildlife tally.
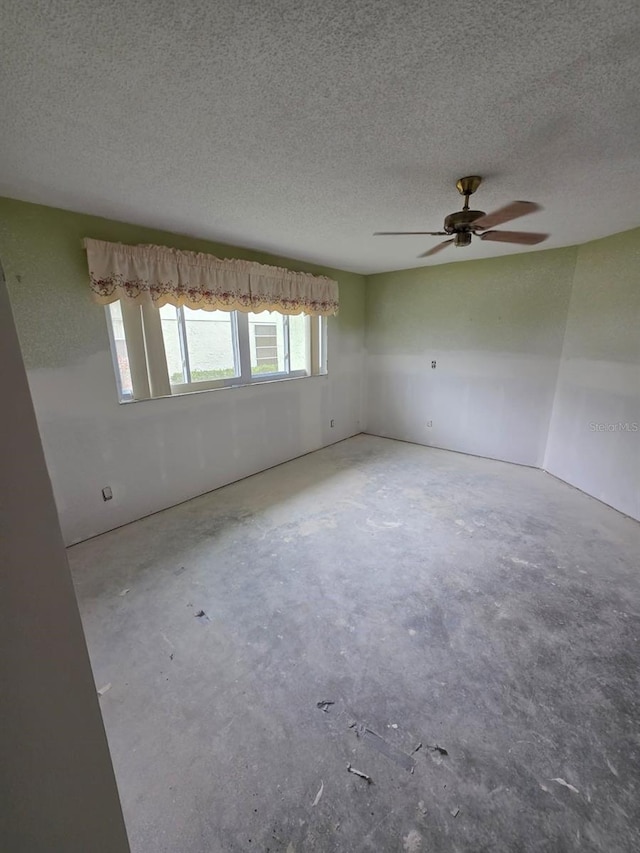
(119, 353)
(157, 352)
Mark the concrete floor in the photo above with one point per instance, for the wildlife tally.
(435, 598)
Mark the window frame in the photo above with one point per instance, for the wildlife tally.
(146, 328)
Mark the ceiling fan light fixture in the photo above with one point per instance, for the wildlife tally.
(462, 238)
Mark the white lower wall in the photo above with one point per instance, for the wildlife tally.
(488, 404)
(156, 453)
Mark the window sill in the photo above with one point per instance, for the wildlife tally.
(256, 383)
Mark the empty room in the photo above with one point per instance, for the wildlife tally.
(320, 515)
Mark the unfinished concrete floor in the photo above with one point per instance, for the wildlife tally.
(435, 598)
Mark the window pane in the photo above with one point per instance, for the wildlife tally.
(210, 344)
(121, 355)
(267, 342)
(299, 342)
(172, 348)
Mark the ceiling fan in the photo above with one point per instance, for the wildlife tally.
(465, 223)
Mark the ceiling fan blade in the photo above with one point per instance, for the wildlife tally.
(400, 233)
(435, 249)
(506, 214)
(523, 237)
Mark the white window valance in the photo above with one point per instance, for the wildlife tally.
(161, 276)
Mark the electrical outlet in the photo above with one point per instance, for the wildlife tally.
(429, 423)
(107, 494)
(433, 364)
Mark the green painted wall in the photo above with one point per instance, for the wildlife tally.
(46, 271)
(498, 303)
(603, 317)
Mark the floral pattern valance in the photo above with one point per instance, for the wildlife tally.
(169, 276)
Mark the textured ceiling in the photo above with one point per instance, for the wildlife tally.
(302, 126)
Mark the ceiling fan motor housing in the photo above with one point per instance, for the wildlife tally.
(461, 221)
